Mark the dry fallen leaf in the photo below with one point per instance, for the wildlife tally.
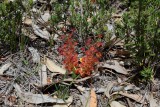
(85, 98)
(130, 104)
(119, 80)
(37, 98)
(116, 104)
(45, 17)
(117, 88)
(35, 55)
(69, 101)
(81, 88)
(88, 98)
(93, 99)
(131, 87)
(135, 97)
(153, 102)
(4, 67)
(125, 87)
(32, 36)
(53, 67)
(108, 88)
(113, 64)
(27, 21)
(41, 33)
(12, 99)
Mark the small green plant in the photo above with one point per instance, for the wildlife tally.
(62, 91)
(147, 74)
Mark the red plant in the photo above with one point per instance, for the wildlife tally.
(84, 65)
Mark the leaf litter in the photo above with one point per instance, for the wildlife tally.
(113, 64)
(116, 104)
(4, 67)
(53, 67)
(93, 91)
(36, 98)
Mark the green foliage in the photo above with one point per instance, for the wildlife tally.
(147, 74)
(140, 27)
(62, 91)
(59, 12)
(88, 18)
(11, 14)
(10, 19)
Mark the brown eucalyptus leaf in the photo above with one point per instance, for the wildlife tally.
(93, 99)
(108, 88)
(53, 67)
(153, 102)
(113, 64)
(36, 98)
(88, 98)
(136, 97)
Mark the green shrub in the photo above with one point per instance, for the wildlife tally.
(88, 18)
(11, 23)
(141, 30)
